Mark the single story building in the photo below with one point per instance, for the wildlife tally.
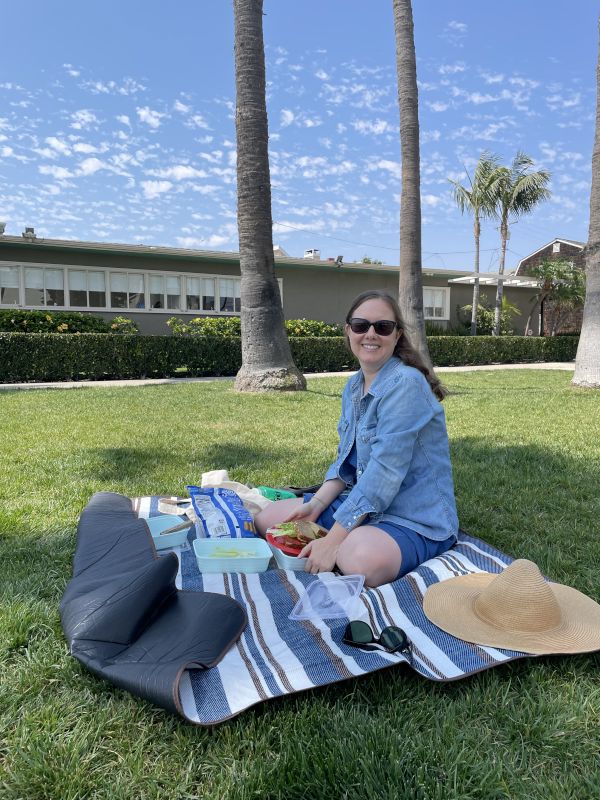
(150, 284)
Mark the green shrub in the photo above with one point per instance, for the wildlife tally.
(312, 327)
(24, 321)
(90, 356)
(231, 326)
(123, 325)
(205, 326)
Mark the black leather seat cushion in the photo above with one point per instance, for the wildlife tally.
(122, 615)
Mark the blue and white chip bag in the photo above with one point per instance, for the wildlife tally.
(221, 513)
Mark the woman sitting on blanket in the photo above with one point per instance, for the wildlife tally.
(388, 498)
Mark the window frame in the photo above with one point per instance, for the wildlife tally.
(446, 306)
(145, 273)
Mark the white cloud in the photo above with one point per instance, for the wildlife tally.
(393, 167)
(193, 243)
(90, 165)
(430, 136)
(197, 121)
(153, 189)
(74, 73)
(124, 119)
(128, 87)
(287, 117)
(438, 107)
(150, 117)
(460, 27)
(525, 83)
(376, 127)
(430, 200)
(58, 145)
(58, 173)
(83, 147)
(214, 158)
(489, 78)
(451, 69)
(83, 119)
(321, 75)
(181, 107)
(204, 188)
(179, 172)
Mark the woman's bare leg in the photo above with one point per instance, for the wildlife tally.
(369, 551)
(275, 512)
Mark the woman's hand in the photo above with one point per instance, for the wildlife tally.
(321, 554)
(308, 511)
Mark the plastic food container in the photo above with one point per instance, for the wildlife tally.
(284, 558)
(162, 523)
(232, 555)
(329, 597)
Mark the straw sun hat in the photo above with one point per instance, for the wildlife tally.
(516, 610)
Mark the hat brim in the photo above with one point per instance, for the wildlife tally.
(450, 605)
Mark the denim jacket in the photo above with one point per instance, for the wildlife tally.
(403, 471)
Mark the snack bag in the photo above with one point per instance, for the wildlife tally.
(221, 513)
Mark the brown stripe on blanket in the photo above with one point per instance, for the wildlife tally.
(447, 562)
(337, 662)
(261, 639)
(415, 650)
(242, 651)
(453, 559)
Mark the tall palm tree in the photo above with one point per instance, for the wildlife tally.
(410, 287)
(587, 361)
(266, 357)
(516, 191)
(477, 199)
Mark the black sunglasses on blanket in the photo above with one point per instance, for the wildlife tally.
(392, 639)
(383, 327)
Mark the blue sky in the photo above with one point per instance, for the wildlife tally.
(116, 121)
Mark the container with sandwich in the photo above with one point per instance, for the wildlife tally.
(288, 539)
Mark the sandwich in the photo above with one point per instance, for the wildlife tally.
(296, 534)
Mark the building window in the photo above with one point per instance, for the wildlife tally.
(173, 292)
(435, 303)
(200, 294)
(86, 289)
(556, 247)
(127, 290)
(44, 287)
(9, 285)
(229, 295)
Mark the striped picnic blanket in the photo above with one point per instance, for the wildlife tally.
(276, 656)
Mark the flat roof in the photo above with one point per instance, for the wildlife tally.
(185, 254)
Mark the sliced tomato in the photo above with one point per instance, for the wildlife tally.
(287, 545)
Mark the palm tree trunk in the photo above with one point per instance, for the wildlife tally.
(266, 357)
(410, 287)
(475, 304)
(500, 290)
(587, 361)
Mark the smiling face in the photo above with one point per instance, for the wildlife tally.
(371, 349)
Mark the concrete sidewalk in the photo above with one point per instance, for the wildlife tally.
(569, 365)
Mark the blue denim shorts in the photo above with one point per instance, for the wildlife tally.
(414, 547)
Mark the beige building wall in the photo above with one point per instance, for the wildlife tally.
(313, 290)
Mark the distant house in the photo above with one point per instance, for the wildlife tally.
(563, 250)
(557, 249)
(150, 284)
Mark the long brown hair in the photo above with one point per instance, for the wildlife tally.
(403, 349)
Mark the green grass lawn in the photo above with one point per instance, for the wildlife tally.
(526, 455)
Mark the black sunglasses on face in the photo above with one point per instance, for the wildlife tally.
(392, 639)
(383, 327)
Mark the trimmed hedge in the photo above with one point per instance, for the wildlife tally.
(88, 356)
